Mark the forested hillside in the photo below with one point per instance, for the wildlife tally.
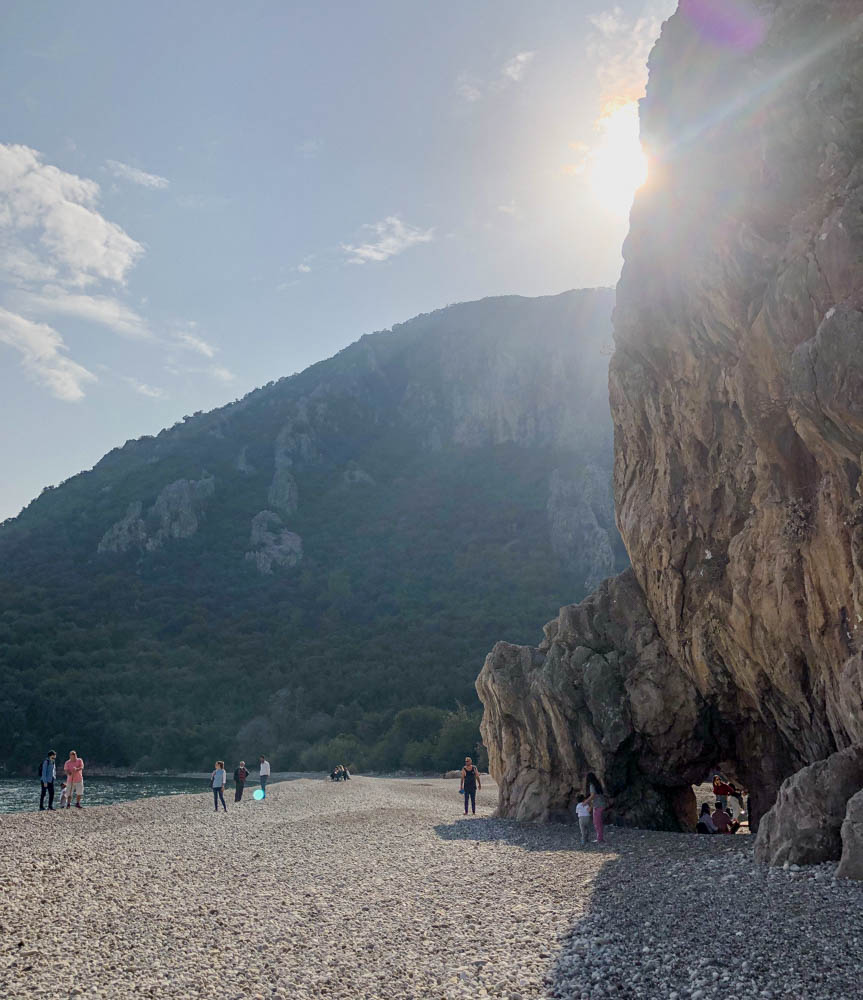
(317, 570)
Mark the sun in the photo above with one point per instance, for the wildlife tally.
(617, 166)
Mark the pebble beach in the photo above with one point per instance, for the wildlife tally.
(380, 889)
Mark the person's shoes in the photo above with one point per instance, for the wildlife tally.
(41, 809)
(50, 809)
(78, 805)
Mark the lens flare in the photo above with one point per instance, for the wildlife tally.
(258, 794)
(616, 166)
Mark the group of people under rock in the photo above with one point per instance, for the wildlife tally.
(219, 781)
(721, 819)
(340, 773)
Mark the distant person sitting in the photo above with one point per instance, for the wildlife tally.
(346, 774)
(240, 775)
(74, 768)
(64, 794)
(334, 774)
(470, 784)
(265, 774)
(218, 780)
(582, 811)
(723, 822)
(705, 820)
(47, 775)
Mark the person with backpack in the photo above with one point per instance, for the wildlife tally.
(470, 784)
(47, 776)
(74, 768)
(218, 780)
(240, 775)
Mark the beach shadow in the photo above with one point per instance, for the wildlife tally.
(529, 836)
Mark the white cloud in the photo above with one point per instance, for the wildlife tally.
(303, 268)
(137, 176)
(468, 89)
(510, 208)
(620, 46)
(143, 389)
(188, 338)
(309, 148)
(516, 67)
(41, 349)
(219, 373)
(49, 222)
(102, 309)
(391, 237)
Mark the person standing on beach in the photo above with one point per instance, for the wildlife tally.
(597, 800)
(47, 775)
(265, 774)
(470, 784)
(74, 768)
(218, 780)
(582, 811)
(240, 775)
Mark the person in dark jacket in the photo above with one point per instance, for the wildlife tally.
(47, 776)
(470, 784)
(240, 775)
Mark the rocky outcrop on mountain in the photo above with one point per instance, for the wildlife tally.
(581, 521)
(737, 386)
(175, 514)
(805, 825)
(271, 544)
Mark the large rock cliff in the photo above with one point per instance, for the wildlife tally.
(737, 398)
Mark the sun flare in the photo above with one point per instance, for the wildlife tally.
(617, 165)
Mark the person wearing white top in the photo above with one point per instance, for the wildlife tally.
(582, 811)
(218, 780)
(265, 774)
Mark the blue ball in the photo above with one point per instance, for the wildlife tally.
(258, 794)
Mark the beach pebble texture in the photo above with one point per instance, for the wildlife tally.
(380, 888)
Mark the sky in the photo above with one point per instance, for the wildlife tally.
(197, 198)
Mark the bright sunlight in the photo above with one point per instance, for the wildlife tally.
(617, 166)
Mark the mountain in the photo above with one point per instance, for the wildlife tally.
(317, 569)
(737, 399)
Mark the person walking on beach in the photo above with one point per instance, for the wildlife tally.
(74, 768)
(47, 775)
(218, 780)
(240, 775)
(597, 800)
(470, 784)
(582, 811)
(265, 774)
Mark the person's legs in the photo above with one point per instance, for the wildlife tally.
(238, 791)
(51, 795)
(78, 791)
(216, 799)
(222, 797)
(584, 829)
(472, 795)
(42, 795)
(598, 826)
(264, 779)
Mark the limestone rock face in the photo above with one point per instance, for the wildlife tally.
(805, 826)
(174, 514)
(600, 694)
(271, 544)
(851, 861)
(737, 399)
(581, 521)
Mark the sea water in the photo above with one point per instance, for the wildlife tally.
(22, 795)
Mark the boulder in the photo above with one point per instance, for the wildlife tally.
(851, 862)
(804, 827)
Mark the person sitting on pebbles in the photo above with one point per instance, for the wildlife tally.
(723, 822)
(705, 820)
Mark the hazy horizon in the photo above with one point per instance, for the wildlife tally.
(197, 201)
